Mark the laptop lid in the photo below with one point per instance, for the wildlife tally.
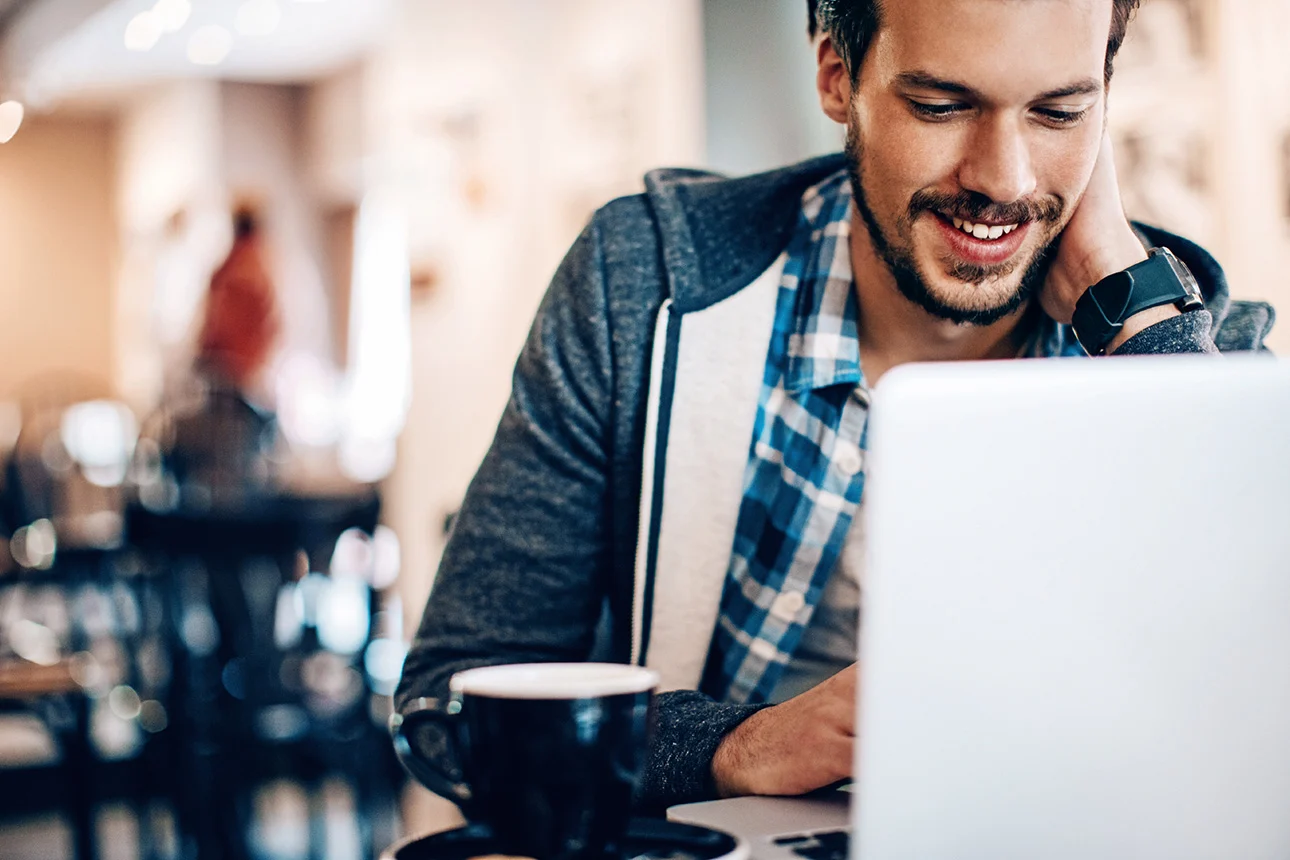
(1076, 629)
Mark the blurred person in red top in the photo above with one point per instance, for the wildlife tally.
(241, 323)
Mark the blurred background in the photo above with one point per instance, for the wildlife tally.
(265, 266)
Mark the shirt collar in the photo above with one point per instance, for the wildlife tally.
(823, 341)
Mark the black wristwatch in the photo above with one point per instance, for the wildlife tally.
(1161, 279)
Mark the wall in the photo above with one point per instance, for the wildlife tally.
(188, 151)
(501, 125)
(335, 136)
(261, 161)
(333, 161)
(761, 111)
(57, 250)
(173, 220)
(1251, 152)
(1200, 114)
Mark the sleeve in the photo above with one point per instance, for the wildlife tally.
(1185, 333)
(689, 729)
(522, 576)
(525, 573)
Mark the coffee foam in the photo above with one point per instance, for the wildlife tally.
(554, 681)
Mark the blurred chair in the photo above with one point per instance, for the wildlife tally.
(266, 684)
(51, 693)
(71, 630)
(267, 649)
(212, 448)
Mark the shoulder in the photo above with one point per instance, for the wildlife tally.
(718, 234)
(693, 237)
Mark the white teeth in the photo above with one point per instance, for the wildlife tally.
(984, 231)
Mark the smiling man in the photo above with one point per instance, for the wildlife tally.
(678, 477)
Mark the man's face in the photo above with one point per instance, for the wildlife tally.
(973, 131)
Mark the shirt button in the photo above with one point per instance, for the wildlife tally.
(848, 461)
(763, 650)
(787, 605)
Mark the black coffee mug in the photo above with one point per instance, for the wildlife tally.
(550, 753)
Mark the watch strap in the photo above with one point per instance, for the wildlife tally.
(1100, 313)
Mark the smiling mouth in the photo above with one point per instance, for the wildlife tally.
(982, 245)
(977, 230)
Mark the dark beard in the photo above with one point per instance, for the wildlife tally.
(901, 262)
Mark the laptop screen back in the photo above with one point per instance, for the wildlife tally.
(1076, 626)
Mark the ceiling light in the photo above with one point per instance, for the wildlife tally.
(10, 119)
(209, 45)
(143, 31)
(258, 17)
(173, 14)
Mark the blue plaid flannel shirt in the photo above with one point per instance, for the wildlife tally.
(805, 473)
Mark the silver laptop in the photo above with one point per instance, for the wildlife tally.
(1076, 637)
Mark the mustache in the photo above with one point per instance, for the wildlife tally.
(971, 206)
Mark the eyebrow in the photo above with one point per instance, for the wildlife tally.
(927, 81)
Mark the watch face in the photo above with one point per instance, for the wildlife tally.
(1184, 275)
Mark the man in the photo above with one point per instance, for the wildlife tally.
(677, 478)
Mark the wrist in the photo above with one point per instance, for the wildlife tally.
(1127, 301)
(735, 760)
(1115, 256)
(1140, 321)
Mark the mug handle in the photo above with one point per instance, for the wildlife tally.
(406, 720)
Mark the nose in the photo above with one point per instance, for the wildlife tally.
(997, 163)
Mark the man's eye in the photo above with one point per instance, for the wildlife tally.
(1056, 117)
(936, 110)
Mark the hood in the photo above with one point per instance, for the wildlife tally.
(719, 234)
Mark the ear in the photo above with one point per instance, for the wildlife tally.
(833, 83)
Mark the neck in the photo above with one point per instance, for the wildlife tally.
(894, 331)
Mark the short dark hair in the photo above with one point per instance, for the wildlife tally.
(852, 24)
